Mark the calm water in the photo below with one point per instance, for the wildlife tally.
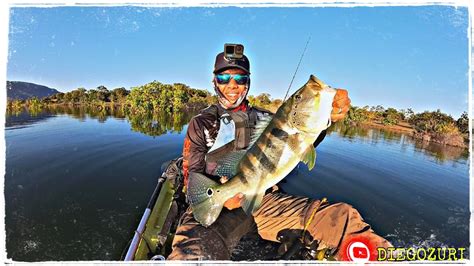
(76, 184)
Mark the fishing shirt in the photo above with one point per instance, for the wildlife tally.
(202, 133)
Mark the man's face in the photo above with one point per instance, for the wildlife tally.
(232, 90)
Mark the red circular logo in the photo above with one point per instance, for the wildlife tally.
(358, 249)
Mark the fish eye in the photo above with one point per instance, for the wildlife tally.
(209, 192)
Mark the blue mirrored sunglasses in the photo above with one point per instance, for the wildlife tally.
(225, 78)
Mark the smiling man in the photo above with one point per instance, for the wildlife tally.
(228, 126)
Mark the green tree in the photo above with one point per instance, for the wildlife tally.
(92, 96)
(356, 115)
(15, 105)
(463, 123)
(433, 122)
(103, 94)
(263, 99)
(179, 95)
(391, 117)
(145, 98)
(119, 94)
(251, 100)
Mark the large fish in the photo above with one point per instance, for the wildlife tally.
(286, 140)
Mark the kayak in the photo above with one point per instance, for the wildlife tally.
(154, 235)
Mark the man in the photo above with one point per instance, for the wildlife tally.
(327, 226)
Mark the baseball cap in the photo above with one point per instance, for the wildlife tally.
(222, 63)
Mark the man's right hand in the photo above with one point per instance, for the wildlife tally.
(234, 202)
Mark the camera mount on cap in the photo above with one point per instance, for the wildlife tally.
(233, 51)
(232, 57)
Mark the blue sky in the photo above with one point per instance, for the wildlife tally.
(394, 56)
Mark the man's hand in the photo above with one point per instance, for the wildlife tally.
(234, 202)
(340, 105)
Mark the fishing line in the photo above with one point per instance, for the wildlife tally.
(298, 66)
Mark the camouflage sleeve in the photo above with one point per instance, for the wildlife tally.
(194, 149)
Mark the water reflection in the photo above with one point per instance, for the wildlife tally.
(441, 153)
(366, 133)
(101, 113)
(157, 124)
(53, 192)
(151, 124)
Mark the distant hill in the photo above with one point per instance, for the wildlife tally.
(24, 90)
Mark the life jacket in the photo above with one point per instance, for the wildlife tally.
(236, 128)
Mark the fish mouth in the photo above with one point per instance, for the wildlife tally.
(316, 84)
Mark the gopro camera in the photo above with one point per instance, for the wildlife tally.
(233, 51)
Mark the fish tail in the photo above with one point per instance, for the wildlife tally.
(203, 196)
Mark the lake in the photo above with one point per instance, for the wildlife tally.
(77, 182)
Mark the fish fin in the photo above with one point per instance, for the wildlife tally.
(227, 165)
(309, 157)
(262, 123)
(252, 202)
(201, 196)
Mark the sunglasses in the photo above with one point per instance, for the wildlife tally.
(225, 78)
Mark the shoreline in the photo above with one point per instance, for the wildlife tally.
(407, 129)
(458, 140)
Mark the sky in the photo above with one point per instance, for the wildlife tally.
(402, 57)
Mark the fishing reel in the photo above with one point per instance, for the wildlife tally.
(294, 245)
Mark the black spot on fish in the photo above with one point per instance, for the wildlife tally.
(279, 133)
(256, 149)
(266, 163)
(243, 179)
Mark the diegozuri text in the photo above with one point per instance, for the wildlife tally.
(420, 254)
(361, 249)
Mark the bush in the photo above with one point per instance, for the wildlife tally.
(432, 122)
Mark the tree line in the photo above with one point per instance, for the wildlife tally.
(264, 100)
(425, 122)
(157, 97)
(152, 97)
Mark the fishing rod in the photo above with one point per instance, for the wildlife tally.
(297, 67)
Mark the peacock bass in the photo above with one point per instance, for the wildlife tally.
(285, 140)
